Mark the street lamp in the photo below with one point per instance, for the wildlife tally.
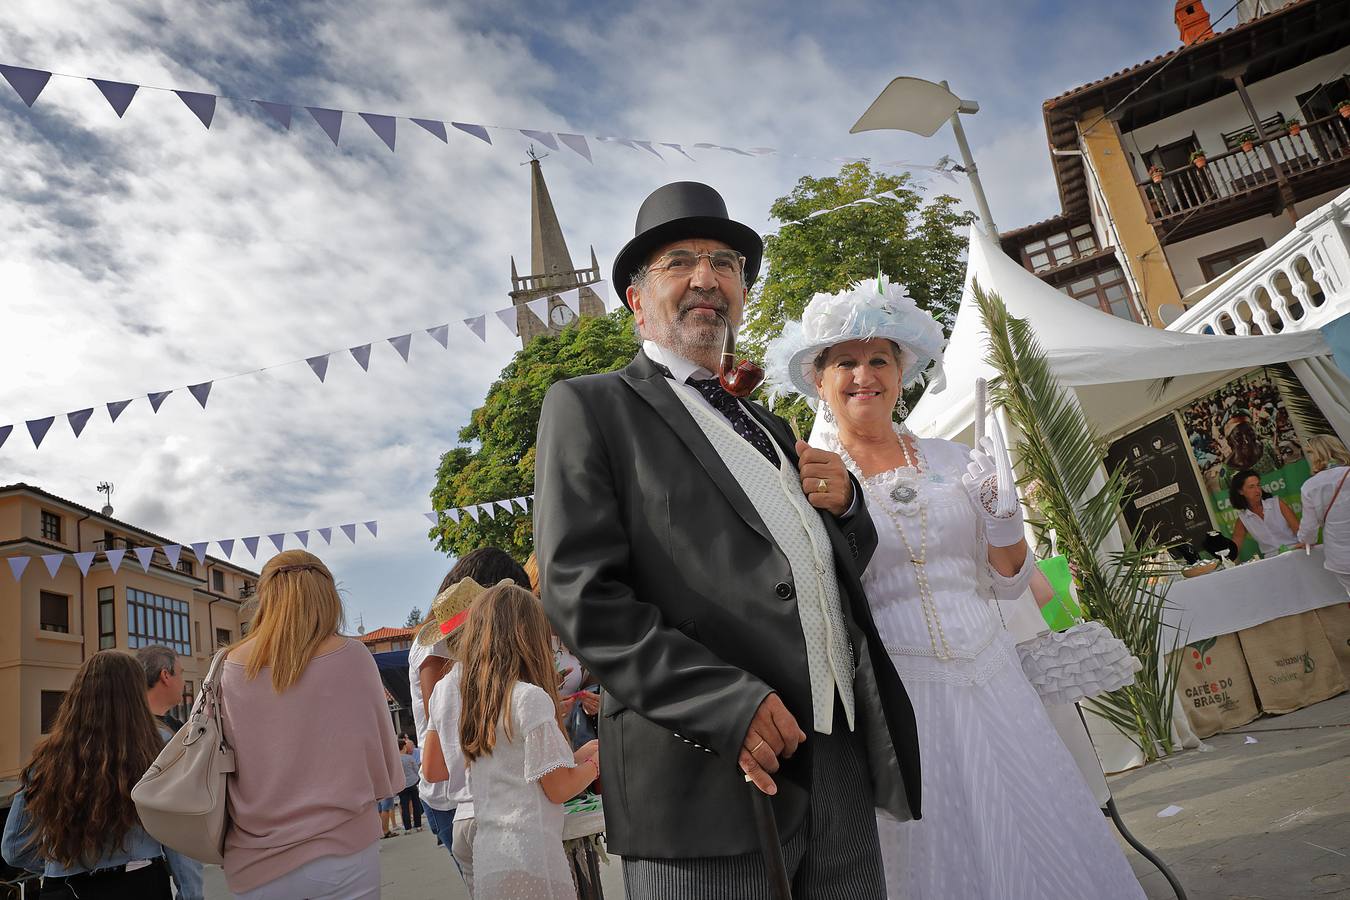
(913, 104)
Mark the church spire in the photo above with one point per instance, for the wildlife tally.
(548, 249)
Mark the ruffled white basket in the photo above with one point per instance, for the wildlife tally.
(1083, 661)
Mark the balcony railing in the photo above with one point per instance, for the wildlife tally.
(1228, 175)
(1300, 283)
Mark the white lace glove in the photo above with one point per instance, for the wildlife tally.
(1002, 527)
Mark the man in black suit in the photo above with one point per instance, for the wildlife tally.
(705, 567)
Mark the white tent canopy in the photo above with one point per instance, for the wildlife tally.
(1114, 365)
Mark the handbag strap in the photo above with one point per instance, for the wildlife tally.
(211, 688)
(1337, 493)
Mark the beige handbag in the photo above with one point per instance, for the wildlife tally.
(181, 797)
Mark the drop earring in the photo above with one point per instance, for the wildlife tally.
(825, 411)
(902, 408)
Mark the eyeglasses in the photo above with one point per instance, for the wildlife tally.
(727, 263)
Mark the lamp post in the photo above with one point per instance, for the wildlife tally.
(920, 106)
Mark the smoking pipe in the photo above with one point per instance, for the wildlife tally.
(739, 379)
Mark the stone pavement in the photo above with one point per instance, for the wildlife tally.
(1259, 821)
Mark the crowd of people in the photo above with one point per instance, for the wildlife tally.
(787, 631)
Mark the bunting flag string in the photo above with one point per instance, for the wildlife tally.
(29, 84)
(39, 427)
(173, 553)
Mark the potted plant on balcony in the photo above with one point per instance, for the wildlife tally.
(1155, 172)
(1344, 109)
(1248, 139)
(1294, 127)
(1198, 158)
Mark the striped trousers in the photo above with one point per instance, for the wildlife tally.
(835, 855)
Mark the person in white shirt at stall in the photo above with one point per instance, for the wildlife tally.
(1269, 520)
(1323, 507)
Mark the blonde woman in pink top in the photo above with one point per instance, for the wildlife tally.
(305, 712)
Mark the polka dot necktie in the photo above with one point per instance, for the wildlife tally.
(727, 405)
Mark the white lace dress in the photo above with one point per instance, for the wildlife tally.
(517, 850)
(1006, 814)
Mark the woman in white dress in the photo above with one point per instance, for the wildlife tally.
(1005, 812)
(1324, 509)
(1269, 520)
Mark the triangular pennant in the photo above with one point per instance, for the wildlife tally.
(432, 518)
(281, 112)
(441, 334)
(472, 511)
(17, 564)
(320, 365)
(157, 400)
(226, 547)
(453, 514)
(38, 428)
(4, 433)
(199, 551)
(647, 145)
(485, 509)
(577, 144)
(330, 120)
(278, 540)
(402, 343)
(27, 83)
(303, 538)
(350, 531)
(114, 559)
(678, 149)
(53, 562)
(326, 534)
(540, 309)
(614, 140)
(543, 137)
(505, 504)
(383, 126)
(251, 545)
(362, 356)
(203, 106)
(734, 150)
(79, 419)
(477, 131)
(520, 501)
(571, 300)
(84, 560)
(144, 555)
(510, 318)
(373, 527)
(115, 408)
(117, 93)
(478, 325)
(435, 127)
(200, 392)
(172, 552)
(763, 151)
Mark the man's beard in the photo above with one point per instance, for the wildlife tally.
(693, 335)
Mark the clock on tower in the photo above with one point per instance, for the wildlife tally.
(561, 315)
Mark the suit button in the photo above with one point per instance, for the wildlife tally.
(783, 590)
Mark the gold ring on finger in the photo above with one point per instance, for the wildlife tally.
(755, 749)
(822, 485)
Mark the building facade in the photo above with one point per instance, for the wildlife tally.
(553, 271)
(382, 640)
(50, 624)
(1177, 170)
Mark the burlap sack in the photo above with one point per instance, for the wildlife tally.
(1215, 687)
(1336, 623)
(1291, 662)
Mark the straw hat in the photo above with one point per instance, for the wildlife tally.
(449, 610)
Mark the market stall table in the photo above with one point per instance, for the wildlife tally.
(1256, 625)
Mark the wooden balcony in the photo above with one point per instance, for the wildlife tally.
(1240, 184)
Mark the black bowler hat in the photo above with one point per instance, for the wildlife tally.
(678, 211)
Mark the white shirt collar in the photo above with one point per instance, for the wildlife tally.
(680, 368)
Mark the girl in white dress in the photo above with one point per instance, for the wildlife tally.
(1269, 520)
(521, 766)
(1005, 813)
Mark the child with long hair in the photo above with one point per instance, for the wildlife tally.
(73, 819)
(305, 711)
(521, 766)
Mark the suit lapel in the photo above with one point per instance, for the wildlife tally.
(651, 384)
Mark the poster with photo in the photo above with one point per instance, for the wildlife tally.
(1245, 425)
(1167, 500)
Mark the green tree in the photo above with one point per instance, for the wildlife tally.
(917, 243)
(414, 617)
(495, 456)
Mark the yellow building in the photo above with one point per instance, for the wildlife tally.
(50, 625)
(1177, 170)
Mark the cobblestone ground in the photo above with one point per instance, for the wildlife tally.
(1268, 820)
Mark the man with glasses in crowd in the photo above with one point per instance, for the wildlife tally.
(704, 566)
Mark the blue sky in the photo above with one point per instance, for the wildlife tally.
(146, 253)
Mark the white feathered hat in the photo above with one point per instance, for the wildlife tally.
(874, 308)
